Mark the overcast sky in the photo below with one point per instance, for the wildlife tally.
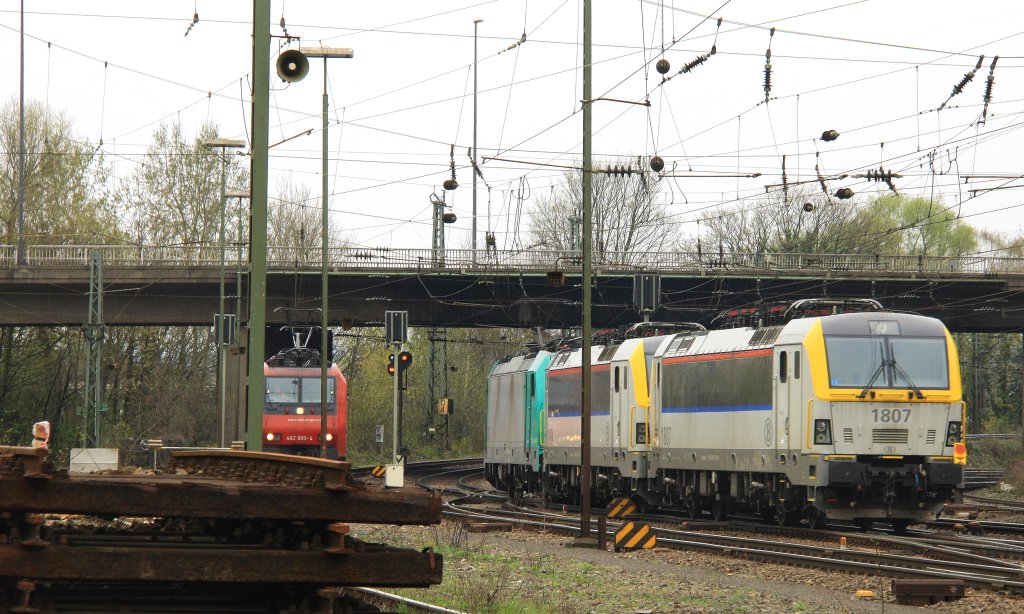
(875, 71)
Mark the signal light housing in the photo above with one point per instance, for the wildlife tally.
(954, 433)
(823, 432)
(404, 361)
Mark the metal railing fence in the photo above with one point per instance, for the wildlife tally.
(343, 259)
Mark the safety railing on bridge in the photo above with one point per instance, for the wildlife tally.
(535, 261)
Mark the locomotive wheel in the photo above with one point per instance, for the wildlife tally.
(864, 524)
(817, 520)
(784, 517)
(720, 507)
(899, 525)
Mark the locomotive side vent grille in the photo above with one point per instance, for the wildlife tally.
(848, 435)
(607, 353)
(766, 335)
(889, 436)
(680, 345)
(931, 436)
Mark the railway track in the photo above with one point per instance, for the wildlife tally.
(222, 529)
(1002, 503)
(943, 561)
(976, 479)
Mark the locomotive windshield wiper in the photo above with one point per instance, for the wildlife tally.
(903, 374)
(881, 367)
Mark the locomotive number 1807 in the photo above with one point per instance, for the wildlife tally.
(886, 414)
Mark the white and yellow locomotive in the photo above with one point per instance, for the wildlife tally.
(854, 416)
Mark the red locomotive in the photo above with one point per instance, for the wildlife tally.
(292, 409)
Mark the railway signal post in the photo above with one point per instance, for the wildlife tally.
(395, 333)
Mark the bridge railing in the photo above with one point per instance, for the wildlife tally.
(482, 261)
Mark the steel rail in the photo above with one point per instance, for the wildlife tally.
(381, 598)
(419, 466)
(993, 501)
(985, 576)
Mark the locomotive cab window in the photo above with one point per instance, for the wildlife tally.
(887, 362)
(311, 390)
(297, 390)
(783, 366)
(282, 390)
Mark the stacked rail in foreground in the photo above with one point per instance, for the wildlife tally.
(221, 530)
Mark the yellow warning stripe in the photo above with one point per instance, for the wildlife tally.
(633, 541)
(621, 507)
(630, 536)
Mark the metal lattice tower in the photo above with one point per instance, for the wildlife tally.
(437, 385)
(437, 238)
(94, 331)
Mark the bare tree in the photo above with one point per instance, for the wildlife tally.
(627, 215)
(65, 197)
(798, 221)
(295, 223)
(174, 198)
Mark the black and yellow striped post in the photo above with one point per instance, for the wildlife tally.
(621, 508)
(378, 471)
(633, 536)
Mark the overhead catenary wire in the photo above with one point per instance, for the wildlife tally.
(744, 157)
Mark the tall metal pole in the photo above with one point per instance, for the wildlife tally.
(221, 370)
(238, 254)
(476, 22)
(223, 145)
(258, 223)
(587, 205)
(237, 431)
(21, 147)
(324, 355)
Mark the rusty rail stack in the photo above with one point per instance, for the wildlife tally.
(218, 529)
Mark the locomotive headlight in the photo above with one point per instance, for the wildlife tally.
(823, 432)
(330, 437)
(300, 410)
(954, 433)
(270, 437)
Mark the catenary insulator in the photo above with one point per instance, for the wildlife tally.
(844, 193)
(450, 184)
(695, 63)
(663, 66)
(657, 164)
(829, 135)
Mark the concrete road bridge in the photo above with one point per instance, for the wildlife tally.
(180, 285)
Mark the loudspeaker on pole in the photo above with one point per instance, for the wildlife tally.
(292, 65)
